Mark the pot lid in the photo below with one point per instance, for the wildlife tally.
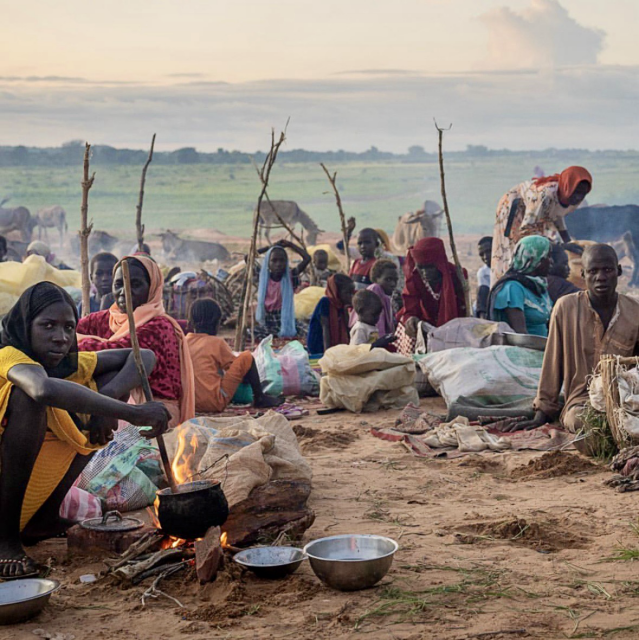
(112, 521)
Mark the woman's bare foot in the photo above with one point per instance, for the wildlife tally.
(14, 562)
(268, 402)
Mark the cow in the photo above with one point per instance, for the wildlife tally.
(177, 248)
(54, 217)
(290, 212)
(17, 219)
(99, 241)
(615, 225)
(411, 227)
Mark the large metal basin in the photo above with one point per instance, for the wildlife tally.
(23, 599)
(351, 562)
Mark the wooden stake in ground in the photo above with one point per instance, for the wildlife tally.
(138, 209)
(85, 232)
(342, 218)
(146, 387)
(451, 236)
(264, 174)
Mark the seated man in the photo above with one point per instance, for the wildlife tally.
(583, 326)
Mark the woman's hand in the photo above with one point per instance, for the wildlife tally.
(101, 429)
(151, 414)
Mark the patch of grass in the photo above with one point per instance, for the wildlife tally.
(600, 440)
(624, 554)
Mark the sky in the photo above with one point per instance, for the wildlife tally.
(524, 74)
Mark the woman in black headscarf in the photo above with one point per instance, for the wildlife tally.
(51, 418)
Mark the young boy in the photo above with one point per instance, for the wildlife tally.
(367, 243)
(101, 273)
(320, 268)
(218, 373)
(368, 307)
(485, 248)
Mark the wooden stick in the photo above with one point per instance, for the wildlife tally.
(342, 218)
(138, 209)
(451, 236)
(264, 175)
(85, 232)
(146, 387)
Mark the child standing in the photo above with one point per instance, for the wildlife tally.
(329, 322)
(275, 313)
(385, 276)
(367, 242)
(485, 250)
(218, 373)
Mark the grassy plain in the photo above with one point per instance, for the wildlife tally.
(222, 197)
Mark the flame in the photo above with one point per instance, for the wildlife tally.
(182, 466)
(224, 540)
(153, 513)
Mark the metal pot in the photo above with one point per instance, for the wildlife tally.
(193, 510)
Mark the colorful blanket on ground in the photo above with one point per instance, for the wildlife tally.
(424, 438)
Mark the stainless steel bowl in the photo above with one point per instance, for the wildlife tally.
(270, 562)
(525, 340)
(23, 599)
(351, 562)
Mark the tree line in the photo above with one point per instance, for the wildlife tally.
(71, 153)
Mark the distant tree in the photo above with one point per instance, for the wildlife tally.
(187, 155)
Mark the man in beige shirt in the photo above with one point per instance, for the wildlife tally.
(583, 326)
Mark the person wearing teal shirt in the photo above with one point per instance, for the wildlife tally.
(521, 297)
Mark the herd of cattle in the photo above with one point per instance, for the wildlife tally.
(616, 225)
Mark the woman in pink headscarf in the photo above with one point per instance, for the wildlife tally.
(536, 207)
(172, 379)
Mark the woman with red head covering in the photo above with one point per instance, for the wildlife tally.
(432, 293)
(172, 380)
(536, 207)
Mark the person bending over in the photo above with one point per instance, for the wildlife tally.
(218, 372)
(52, 419)
(583, 327)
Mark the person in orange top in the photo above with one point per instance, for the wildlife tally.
(218, 372)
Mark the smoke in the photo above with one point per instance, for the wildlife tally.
(542, 36)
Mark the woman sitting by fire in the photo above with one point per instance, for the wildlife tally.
(172, 379)
(45, 441)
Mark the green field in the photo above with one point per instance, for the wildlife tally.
(222, 197)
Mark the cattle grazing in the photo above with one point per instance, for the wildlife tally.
(54, 217)
(411, 227)
(177, 248)
(98, 241)
(17, 219)
(290, 212)
(616, 225)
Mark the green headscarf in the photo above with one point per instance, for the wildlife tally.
(529, 254)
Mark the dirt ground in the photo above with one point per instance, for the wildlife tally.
(491, 546)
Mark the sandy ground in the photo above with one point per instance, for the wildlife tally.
(491, 546)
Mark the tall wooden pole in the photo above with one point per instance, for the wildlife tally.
(85, 232)
(332, 179)
(139, 227)
(449, 223)
(137, 356)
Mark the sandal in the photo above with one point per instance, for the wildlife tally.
(25, 562)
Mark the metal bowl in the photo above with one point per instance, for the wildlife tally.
(525, 340)
(270, 562)
(23, 599)
(351, 562)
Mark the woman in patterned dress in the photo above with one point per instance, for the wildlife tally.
(538, 208)
(172, 379)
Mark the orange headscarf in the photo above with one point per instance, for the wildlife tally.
(154, 307)
(568, 180)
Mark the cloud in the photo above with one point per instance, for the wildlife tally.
(543, 35)
(590, 107)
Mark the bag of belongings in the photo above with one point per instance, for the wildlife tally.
(359, 378)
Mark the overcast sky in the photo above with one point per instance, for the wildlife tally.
(349, 73)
